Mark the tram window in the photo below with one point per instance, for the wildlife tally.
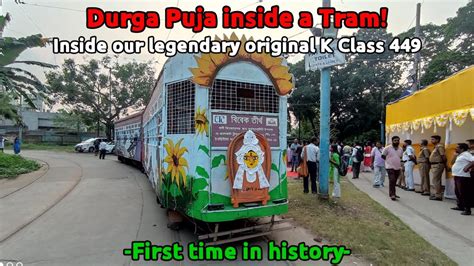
(245, 93)
(242, 96)
(180, 117)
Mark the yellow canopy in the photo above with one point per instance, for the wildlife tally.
(441, 99)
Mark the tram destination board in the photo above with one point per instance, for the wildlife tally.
(226, 126)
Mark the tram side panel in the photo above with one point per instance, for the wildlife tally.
(152, 136)
(128, 140)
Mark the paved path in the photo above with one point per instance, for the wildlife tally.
(444, 228)
(83, 211)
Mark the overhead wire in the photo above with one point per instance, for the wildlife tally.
(169, 32)
(55, 7)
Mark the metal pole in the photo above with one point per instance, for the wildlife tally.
(325, 109)
(382, 117)
(20, 126)
(417, 55)
(111, 133)
(299, 129)
(98, 118)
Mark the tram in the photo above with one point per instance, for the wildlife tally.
(128, 139)
(212, 138)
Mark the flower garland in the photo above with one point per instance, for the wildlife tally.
(457, 117)
(442, 120)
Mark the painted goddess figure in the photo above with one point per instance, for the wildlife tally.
(250, 158)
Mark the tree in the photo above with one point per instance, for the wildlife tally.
(8, 111)
(102, 90)
(72, 121)
(14, 80)
(304, 98)
(367, 82)
(359, 90)
(447, 48)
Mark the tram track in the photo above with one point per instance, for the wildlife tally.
(176, 235)
(34, 180)
(58, 200)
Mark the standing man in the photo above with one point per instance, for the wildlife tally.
(357, 158)
(378, 164)
(408, 160)
(294, 155)
(438, 164)
(462, 179)
(392, 155)
(424, 167)
(96, 146)
(103, 149)
(311, 153)
(2, 143)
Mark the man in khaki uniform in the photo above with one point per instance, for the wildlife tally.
(424, 167)
(438, 162)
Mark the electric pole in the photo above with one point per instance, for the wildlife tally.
(324, 126)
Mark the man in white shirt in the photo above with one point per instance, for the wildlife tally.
(463, 179)
(2, 143)
(378, 164)
(294, 160)
(408, 160)
(312, 161)
(103, 149)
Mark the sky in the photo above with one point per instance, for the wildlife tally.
(66, 20)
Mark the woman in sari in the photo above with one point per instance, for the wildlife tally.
(16, 145)
(367, 157)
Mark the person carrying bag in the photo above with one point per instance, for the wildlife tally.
(303, 167)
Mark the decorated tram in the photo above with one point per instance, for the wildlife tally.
(212, 138)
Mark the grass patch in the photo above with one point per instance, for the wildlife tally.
(363, 225)
(43, 147)
(14, 165)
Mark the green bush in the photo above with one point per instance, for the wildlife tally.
(14, 165)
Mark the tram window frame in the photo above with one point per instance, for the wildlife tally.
(181, 102)
(229, 95)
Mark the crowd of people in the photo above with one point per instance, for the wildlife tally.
(16, 144)
(304, 159)
(397, 161)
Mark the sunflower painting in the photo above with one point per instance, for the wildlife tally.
(208, 65)
(201, 122)
(176, 162)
